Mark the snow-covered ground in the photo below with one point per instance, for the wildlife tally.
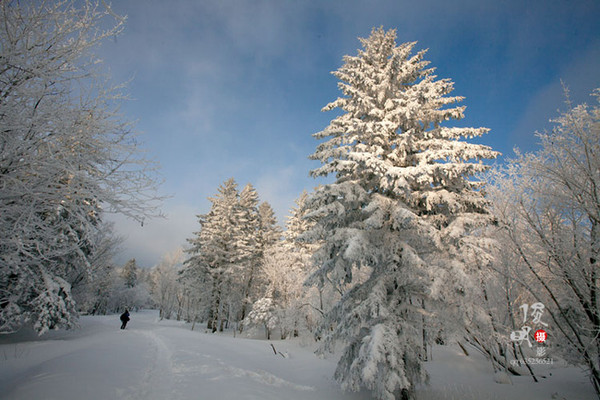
(166, 360)
(456, 377)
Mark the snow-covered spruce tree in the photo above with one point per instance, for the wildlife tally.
(402, 205)
(270, 232)
(65, 157)
(261, 233)
(314, 301)
(217, 255)
(548, 207)
(250, 243)
(130, 288)
(195, 286)
(296, 223)
(285, 265)
(130, 273)
(263, 314)
(283, 292)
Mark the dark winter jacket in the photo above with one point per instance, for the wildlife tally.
(125, 316)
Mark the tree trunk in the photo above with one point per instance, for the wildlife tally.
(246, 295)
(595, 253)
(424, 331)
(213, 316)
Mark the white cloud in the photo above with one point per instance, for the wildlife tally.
(158, 237)
(228, 87)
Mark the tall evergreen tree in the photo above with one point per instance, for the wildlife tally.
(286, 302)
(402, 203)
(227, 254)
(251, 246)
(270, 232)
(314, 300)
(130, 273)
(216, 255)
(296, 223)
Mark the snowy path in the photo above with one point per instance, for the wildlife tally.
(157, 382)
(158, 360)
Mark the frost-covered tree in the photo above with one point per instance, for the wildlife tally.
(251, 247)
(217, 254)
(129, 288)
(548, 206)
(166, 289)
(284, 276)
(314, 301)
(402, 206)
(91, 289)
(285, 265)
(227, 253)
(296, 224)
(66, 156)
(270, 232)
(121, 296)
(130, 273)
(263, 314)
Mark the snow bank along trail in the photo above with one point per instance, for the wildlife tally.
(158, 360)
(155, 360)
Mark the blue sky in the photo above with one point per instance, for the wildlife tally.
(225, 88)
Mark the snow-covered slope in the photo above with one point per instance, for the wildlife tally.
(453, 376)
(158, 360)
(166, 360)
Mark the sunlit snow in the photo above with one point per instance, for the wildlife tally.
(155, 359)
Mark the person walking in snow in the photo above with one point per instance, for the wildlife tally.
(124, 319)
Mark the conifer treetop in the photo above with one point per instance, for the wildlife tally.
(390, 136)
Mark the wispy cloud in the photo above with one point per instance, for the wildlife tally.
(228, 88)
(148, 243)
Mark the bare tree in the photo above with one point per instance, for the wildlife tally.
(548, 204)
(66, 156)
(167, 291)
